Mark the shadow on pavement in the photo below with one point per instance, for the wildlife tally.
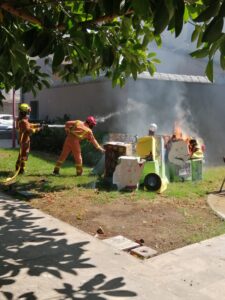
(31, 249)
(34, 188)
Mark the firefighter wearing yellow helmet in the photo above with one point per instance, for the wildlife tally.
(25, 129)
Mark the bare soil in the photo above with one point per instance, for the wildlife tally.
(164, 224)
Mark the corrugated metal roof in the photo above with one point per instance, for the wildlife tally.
(174, 77)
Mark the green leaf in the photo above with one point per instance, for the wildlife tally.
(58, 56)
(222, 47)
(107, 6)
(46, 83)
(116, 78)
(186, 14)
(133, 70)
(78, 35)
(178, 22)
(209, 12)
(141, 8)
(148, 37)
(193, 12)
(21, 58)
(200, 53)
(70, 24)
(39, 85)
(209, 70)
(116, 7)
(151, 54)
(161, 18)
(199, 42)
(125, 26)
(179, 14)
(222, 61)
(156, 60)
(29, 37)
(151, 68)
(213, 30)
(48, 49)
(171, 25)
(34, 92)
(222, 10)
(195, 33)
(213, 48)
(171, 9)
(40, 42)
(108, 56)
(122, 81)
(158, 40)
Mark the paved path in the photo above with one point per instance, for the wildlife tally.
(44, 258)
(217, 203)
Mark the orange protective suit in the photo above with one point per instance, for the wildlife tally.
(25, 129)
(76, 131)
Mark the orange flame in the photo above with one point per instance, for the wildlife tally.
(177, 131)
(178, 134)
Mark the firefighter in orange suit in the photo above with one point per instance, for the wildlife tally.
(25, 129)
(77, 131)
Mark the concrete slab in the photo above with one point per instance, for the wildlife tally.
(144, 252)
(44, 258)
(217, 204)
(121, 243)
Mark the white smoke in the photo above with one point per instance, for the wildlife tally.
(132, 105)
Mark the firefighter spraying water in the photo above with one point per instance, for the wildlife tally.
(25, 129)
(77, 131)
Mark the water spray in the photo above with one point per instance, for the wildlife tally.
(132, 105)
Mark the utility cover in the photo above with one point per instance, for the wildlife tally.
(121, 243)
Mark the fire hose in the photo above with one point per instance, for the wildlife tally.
(10, 180)
(52, 125)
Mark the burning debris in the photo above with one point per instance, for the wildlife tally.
(153, 161)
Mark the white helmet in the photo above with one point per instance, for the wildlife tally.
(153, 127)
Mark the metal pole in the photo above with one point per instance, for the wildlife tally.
(14, 121)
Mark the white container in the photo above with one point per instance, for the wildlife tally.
(128, 172)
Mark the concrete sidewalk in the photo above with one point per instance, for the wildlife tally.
(217, 203)
(44, 258)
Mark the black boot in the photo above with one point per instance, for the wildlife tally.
(56, 171)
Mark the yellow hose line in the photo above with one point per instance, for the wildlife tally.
(9, 180)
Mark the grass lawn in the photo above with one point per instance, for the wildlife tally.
(177, 217)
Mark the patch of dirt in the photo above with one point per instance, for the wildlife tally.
(164, 224)
(5, 155)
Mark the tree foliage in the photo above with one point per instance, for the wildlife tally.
(86, 37)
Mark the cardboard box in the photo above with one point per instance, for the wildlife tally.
(113, 151)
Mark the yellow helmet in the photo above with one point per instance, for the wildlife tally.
(24, 107)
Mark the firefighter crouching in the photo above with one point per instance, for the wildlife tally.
(77, 131)
(25, 129)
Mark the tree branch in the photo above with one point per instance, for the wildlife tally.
(27, 17)
(20, 14)
(106, 19)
